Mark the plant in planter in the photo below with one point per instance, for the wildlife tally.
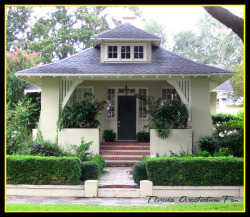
(165, 116)
(143, 136)
(81, 114)
(109, 135)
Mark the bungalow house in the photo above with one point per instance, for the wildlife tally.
(127, 56)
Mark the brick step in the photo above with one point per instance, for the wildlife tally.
(120, 163)
(124, 148)
(124, 153)
(125, 144)
(121, 158)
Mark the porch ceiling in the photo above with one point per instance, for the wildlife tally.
(215, 80)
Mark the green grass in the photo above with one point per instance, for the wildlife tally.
(99, 208)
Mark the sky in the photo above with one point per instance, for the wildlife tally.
(173, 18)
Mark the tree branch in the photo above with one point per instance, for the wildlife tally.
(228, 19)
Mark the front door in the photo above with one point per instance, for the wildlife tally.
(126, 118)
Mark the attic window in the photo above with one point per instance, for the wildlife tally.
(125, 52)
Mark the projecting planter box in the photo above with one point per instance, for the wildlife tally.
(73, 136)
(180, 140)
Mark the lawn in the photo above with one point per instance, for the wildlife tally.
(101, 208)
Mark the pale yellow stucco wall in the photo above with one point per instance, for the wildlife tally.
(201, 115)
(213, 102)
(49, 108)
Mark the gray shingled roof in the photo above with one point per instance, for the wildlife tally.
(88, 62)
(127, 31)
(225, 87)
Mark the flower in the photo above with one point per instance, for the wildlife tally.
(11, 82)
(30, 98)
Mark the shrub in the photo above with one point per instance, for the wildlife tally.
(108, 135)
(89, 171)
(46, 148)
(195, 171)
(204, 154)
(218, 119)
(143, 136)
(208, 143)
(139, 172)
(81, 114)
(100, 163)
(24, 169)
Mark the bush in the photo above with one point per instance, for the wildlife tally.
(108, 135)
(139, 172)
(218, 119)
(204, 154)
(143, 136)
(208, 143)
(24, 169)
(100, 163)
(46, 148)
(89, 171)
(81, 114)
(195, 171)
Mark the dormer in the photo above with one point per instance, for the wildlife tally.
(125, 44)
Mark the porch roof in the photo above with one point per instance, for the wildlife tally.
(87, 64)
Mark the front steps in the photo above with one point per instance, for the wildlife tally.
(123, 153)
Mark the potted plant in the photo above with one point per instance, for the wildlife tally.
(109, 135)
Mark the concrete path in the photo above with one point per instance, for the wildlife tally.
(117, 176)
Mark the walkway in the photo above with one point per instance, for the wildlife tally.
(117, 177)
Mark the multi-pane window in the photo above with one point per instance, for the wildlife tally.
(112, 52)
(111, 103)
(125, 52)
(138, 52)
(170, 95)
(142, 105)
(129, 91)
(77, 95)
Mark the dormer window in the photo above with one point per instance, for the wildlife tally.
(125, 52)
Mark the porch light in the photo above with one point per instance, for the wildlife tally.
(126, 89)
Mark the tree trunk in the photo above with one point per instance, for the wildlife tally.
(228, 19)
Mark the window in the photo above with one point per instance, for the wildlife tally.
(138, 52)
(78, 93)
(112, 52)
(111, 103)
(170, 95)
(126, 52)
(142, 105)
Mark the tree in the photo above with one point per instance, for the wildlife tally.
(153, 27)
(237, 80)
(214, 44)
(64, 32)
(228, 19)
(17, 25)
(16, 61)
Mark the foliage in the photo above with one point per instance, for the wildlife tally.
(46, 148)
(196, 171)
(89, 170)
(17, 25)
(108, 135)
(222, 152)
(153, 27)
(17, 124)
(237, 80)
(16, 61)
(214, 44)
(139, 172)
(24, 169)
(63, 32)
(165, 116)
(143, 136)
(204, 154)
(81, 114)
(100, 163)
(209, 144)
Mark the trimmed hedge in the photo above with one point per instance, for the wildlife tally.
(139, 172)
(195, 171)
(25, 169)
(89, 171)
(100, 163)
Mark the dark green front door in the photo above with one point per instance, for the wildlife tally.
(126, 117)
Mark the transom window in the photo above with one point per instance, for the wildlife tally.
(126, 52)
(170, 95)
